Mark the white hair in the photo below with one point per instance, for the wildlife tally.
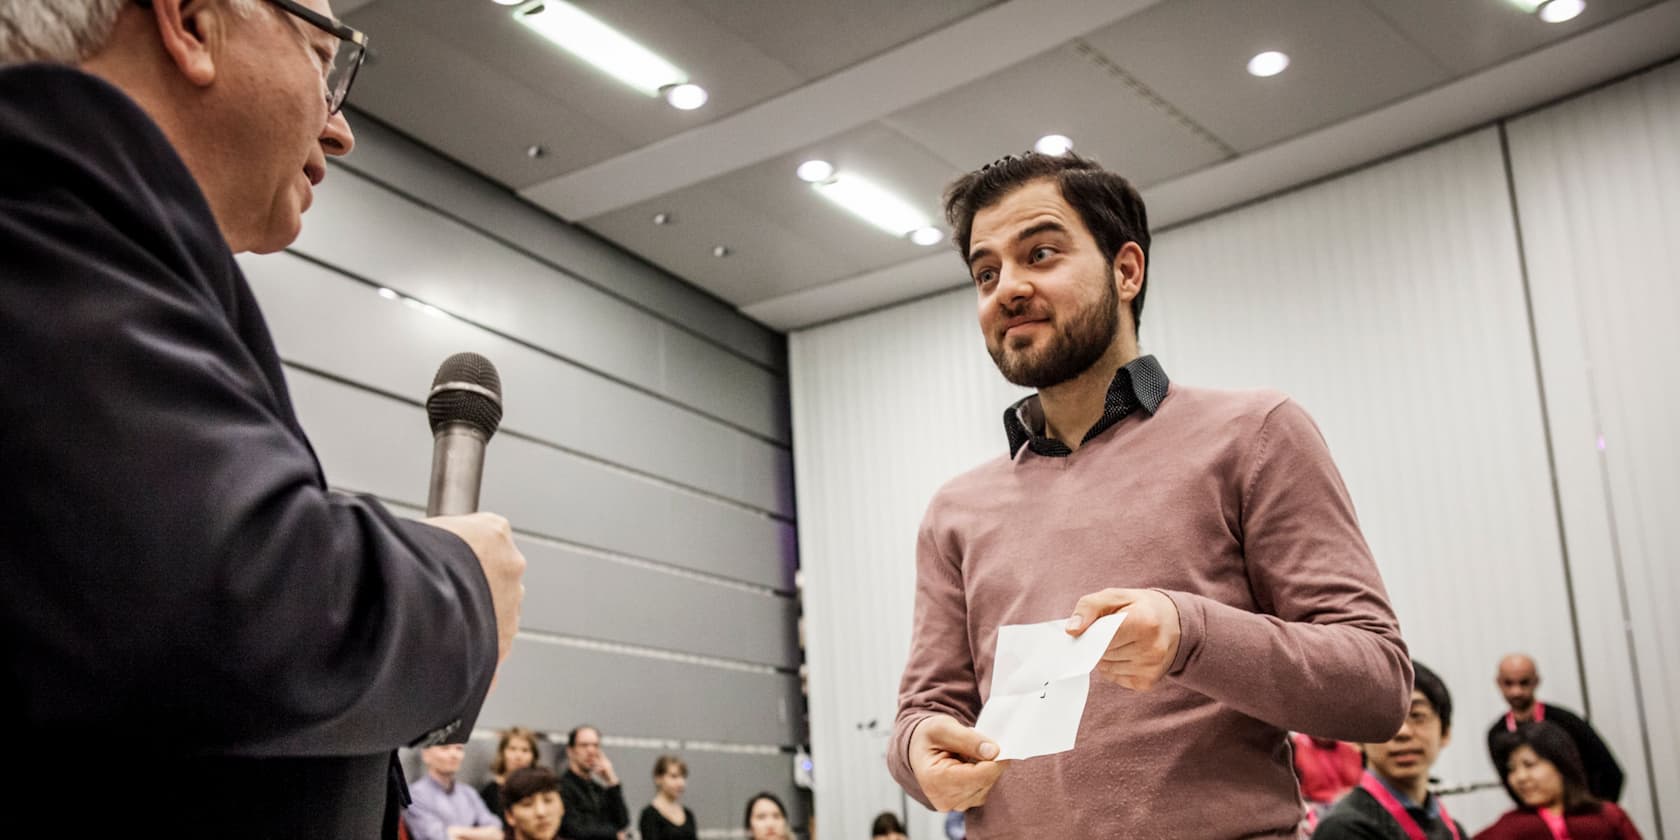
(63, 31)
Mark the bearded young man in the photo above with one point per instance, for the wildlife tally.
(1215, 519)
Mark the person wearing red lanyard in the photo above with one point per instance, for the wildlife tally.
(1393, 801)
(1543, 769)
(1518, 679)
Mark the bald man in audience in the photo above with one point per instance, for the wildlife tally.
(1518, 679)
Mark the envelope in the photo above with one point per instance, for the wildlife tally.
(1041, 677)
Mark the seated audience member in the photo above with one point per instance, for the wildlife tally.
(887, 827)
(1326, 768)
(1518, 680)
(595, 808)
(665, 818)
(766, 819)
(1543, 770)
(530, 803)
(444, 810)
(1392, 801)
(516, 751)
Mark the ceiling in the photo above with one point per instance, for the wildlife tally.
(912, 93)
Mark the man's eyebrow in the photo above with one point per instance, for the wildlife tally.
(1047, 226)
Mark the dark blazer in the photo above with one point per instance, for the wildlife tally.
(193, 626)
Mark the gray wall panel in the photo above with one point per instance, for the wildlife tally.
(379, 445)
(385, 155)
(553, 687)
(700, 374)
(326, 321)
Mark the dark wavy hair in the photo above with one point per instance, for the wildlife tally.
(1435, 691)
(527, 782)
(1108, 204)
(886, 823)
(746, 819)
(1551, 743)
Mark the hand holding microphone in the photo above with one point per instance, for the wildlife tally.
(465, 409)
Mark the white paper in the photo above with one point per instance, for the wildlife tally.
(1040, 679)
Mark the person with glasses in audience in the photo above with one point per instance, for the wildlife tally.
(595, 808)
(1392, 801)
(178, 579)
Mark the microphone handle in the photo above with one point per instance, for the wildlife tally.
(457, 470)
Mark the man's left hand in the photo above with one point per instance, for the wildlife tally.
(1145, 645)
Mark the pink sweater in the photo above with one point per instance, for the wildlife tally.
(1229, 503)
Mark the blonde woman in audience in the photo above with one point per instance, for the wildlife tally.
(516, 751)
(665, 818)
(766, 818)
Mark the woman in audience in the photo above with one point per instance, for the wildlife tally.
(1544, 770)
(766, 818)
(516, 750)
(665, 818)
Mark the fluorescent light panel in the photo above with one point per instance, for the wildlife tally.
(582, 35)
(872, 203)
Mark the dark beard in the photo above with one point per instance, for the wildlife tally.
(1076, 346)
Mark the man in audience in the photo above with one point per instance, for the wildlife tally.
(1518, 678)
(531, 803)
(442, 808)
(1393, 801)
(178, 577)
(595, 808)
(1215, 520)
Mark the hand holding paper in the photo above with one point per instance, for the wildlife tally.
(1040, 679)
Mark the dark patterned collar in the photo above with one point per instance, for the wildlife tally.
(1140, 384)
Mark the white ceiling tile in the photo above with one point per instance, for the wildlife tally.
(1467, 37)
(818, 37)
(1344, 60)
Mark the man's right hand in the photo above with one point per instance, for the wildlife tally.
(604, 769)
(953, 763)
(491, 538)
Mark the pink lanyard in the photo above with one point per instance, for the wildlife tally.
(1370, 784)
(1511, 717)
(1555, 824)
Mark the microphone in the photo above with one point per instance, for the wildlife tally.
(464, 408)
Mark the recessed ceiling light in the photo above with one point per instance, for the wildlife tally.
(927, 235)
(685, 97)
(535, 151)
(586, 37)
(872, 203)
(1053, 144)
(815, 171)
(507, 2)
(388, 294)
(1558, 11)
(1268, 63)
(721, 251)
(662, 218)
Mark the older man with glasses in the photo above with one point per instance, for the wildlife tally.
(177, 586)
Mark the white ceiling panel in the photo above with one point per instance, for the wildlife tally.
(819, 37)
(1344, 60)
(783, 236)
(1060, 92)
(1469, 36)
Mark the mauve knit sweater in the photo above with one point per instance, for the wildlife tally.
(1229, 503)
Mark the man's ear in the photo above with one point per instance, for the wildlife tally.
(1128, 271)
(194, 33)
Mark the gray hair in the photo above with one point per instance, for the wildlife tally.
(62, 31)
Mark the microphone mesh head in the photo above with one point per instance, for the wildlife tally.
(450, 405)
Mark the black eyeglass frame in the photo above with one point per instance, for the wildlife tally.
(357, 40)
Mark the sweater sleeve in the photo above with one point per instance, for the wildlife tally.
(939, 675)
(1324, 654)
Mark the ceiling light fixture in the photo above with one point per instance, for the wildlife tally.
(1268, 63)
(872, 203)
(1054, 145)
(508, 2)
(1558, 11)
(815, 171)
(662, 218)
(614, 53)
(686, 96)
(927, 235)
(721, 251)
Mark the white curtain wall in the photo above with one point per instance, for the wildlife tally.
(1392, 303)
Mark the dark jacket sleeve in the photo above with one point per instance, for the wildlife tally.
(1604, 773)
(175, 568)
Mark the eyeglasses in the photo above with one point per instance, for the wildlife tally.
(346, 59)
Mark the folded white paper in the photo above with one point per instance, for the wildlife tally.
(1040, 679)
